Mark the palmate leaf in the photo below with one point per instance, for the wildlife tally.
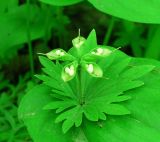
(143, 124)
(142, 102)
(53, 78)
(98, 101)
(108, 91)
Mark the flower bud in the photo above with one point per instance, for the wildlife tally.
(56, 54)
(69, 71)
(78, 41)
(103, 52)
(92, 68)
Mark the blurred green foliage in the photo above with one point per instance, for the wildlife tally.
(41, 26)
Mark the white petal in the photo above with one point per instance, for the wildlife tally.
(71, 73)
(62, 54)
(90, 68)
(100, 50)
(107, 51)
(58, 52)
(67, 70)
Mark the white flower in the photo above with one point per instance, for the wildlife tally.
(70, 70)
(100, 51)
(90, 68)
(79, 44)
(62, 54)
(78, 41)
(59, 53)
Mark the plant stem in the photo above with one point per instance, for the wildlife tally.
(30, 50)
(109, 31)
(47, 25)
(80, 87)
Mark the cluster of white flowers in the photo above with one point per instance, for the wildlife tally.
(70, 70)
(59, 52)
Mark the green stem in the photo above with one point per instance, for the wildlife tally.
(109, 31)
(80, 87)
(30, 49)
(47, 26)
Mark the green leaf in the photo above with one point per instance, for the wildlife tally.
(70, 117)
(35, 117)
(115, 109)
(90, 43)
(61, 3)
(137, 71)
(53, 78)
(91, 112)
(143, 123)
(60, 104)
(134, 10)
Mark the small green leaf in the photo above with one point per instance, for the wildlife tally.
(70, 117)
(46, 62)
(121, 98)
(137, 71)
(91, 112)
(90, 43)
(115, 109)
(59, 104)
(78, 120)
(67, 124)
